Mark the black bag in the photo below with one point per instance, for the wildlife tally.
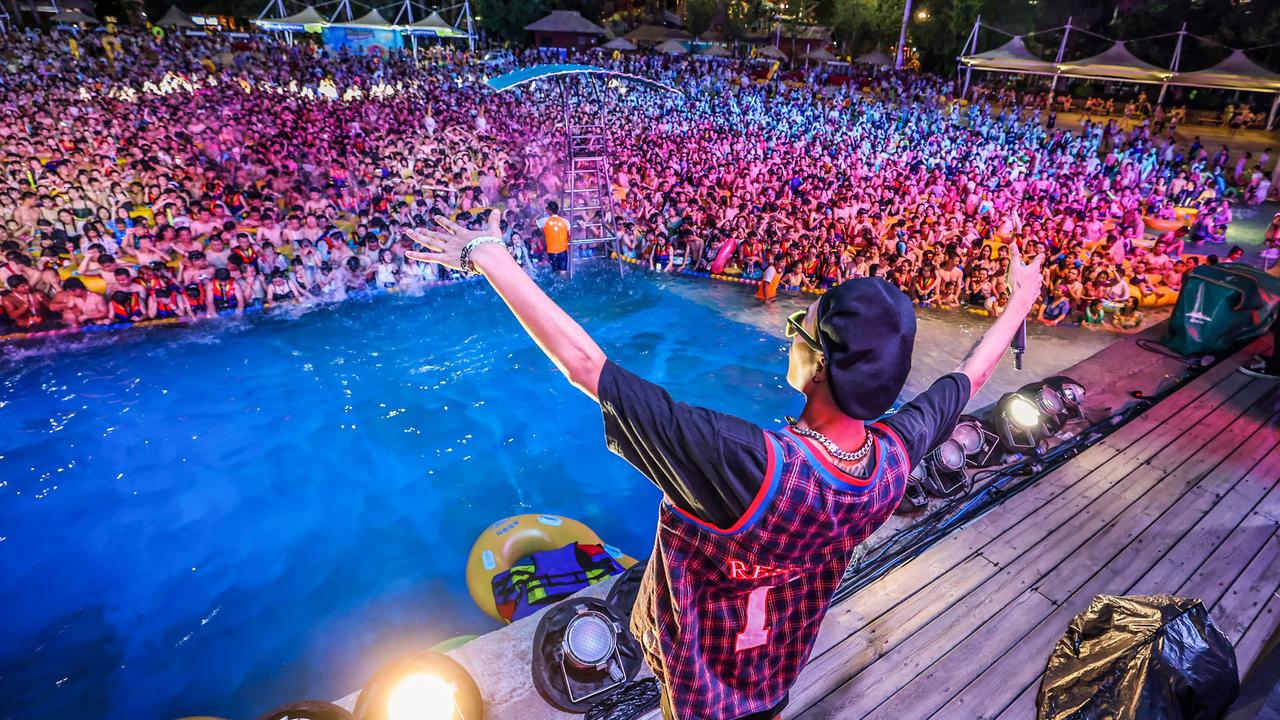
(1146, 657)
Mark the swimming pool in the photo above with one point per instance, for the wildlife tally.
(220, 518)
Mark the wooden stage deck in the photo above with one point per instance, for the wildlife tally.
(1183, 500)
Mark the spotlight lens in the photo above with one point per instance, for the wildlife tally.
(1072, 393)
(421, 696)
(950, 455)
(590, 639)
(1023, 412)
(969, 436)
(1050, 401)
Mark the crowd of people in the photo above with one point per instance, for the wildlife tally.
(181, 177)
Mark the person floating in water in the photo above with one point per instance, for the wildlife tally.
(756, 525)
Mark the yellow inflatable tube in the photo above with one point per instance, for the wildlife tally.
(506, 541)
(92, 283)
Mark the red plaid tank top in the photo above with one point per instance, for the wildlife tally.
(728, 617)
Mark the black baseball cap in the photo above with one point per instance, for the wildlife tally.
(867, 329)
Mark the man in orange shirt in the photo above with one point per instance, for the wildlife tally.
(556, 231)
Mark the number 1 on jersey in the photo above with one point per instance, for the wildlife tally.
(755, 633)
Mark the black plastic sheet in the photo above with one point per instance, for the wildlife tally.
(1147, 657)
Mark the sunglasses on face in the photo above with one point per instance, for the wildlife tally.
(795, 326)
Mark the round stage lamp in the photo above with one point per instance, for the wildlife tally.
(969, 436)
(980, 443)
(914, 498)
(590, 640)
(950, 455)
(422, 696)
(1071, 392)
(1023, 411)
(427, 686)
(1053, 410)
(944, 475)
(1018, 422)
(308, 710)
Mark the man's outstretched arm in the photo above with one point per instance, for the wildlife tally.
(982, 360)
(560, 336)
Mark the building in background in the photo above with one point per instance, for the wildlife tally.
(566, 29)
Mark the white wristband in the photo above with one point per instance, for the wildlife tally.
(464, 258)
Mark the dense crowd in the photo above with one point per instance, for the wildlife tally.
(179, 177)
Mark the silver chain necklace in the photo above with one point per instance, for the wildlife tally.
(830, 445)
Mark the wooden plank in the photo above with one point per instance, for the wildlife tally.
(1221, 463)
(870, 684)
(1259, 633)
(1256, 466)
(1020, 668)
(1024, 708)
(1182, 436)
(930, 691)
(859, 610)
(970, 656)
(854, 654)
(1243, 602)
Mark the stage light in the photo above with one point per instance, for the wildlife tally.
(427, 686)
(1017, 422)
(582, 654)
(981, 444)
(944, 475)
(914, 497)
(422, 697)
(590, 640)
(1058, 398)
(308, 710)
(1023, 412)
(1071, 392)
(950, 455)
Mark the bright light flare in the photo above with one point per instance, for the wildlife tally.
(422, 696)
(1023, 412)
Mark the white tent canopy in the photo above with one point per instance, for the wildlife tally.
(306, 16)
(1115, 63)
(1013, 56)
(435, 25)
(432, 21)
(372, 19)
(1237, 72)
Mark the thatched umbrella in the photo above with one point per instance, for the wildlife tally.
(672, 47)
(875, 57)
(772, 52)
(819, 55)
(619, 43)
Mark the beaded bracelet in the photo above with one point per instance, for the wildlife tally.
(464, 258)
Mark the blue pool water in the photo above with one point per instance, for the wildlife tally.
(221, 518)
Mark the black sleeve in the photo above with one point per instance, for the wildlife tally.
(708, 464)
(929, 419)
